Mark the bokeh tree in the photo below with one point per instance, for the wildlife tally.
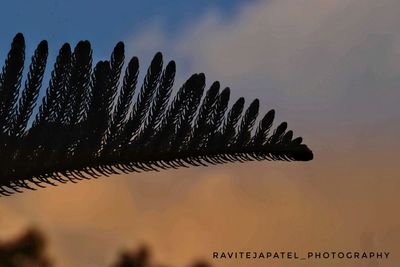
(30, 250)
(27, 250)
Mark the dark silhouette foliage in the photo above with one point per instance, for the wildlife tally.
(30, 250)
(88, 125)
(141, 257)
(27, 250)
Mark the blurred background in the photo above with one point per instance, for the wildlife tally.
(331, 69)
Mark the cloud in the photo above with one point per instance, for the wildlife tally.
(328, 61)
(331, 69)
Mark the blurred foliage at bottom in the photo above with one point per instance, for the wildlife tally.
(30, 250)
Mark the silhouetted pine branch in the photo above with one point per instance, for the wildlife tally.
(116, 63)
(159, 105)
(87, 125)
(121, 110)
(142, 104)
(78, 83)
(31, 91)
(10, 81)
(55, 93)
(205, 118)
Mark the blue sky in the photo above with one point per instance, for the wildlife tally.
(103, 22)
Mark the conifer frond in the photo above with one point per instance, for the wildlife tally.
(31, 90)
(10, 81)
(88, 125)
(50, 108)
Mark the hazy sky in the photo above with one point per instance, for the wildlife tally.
(103, 22)
(331, 69)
